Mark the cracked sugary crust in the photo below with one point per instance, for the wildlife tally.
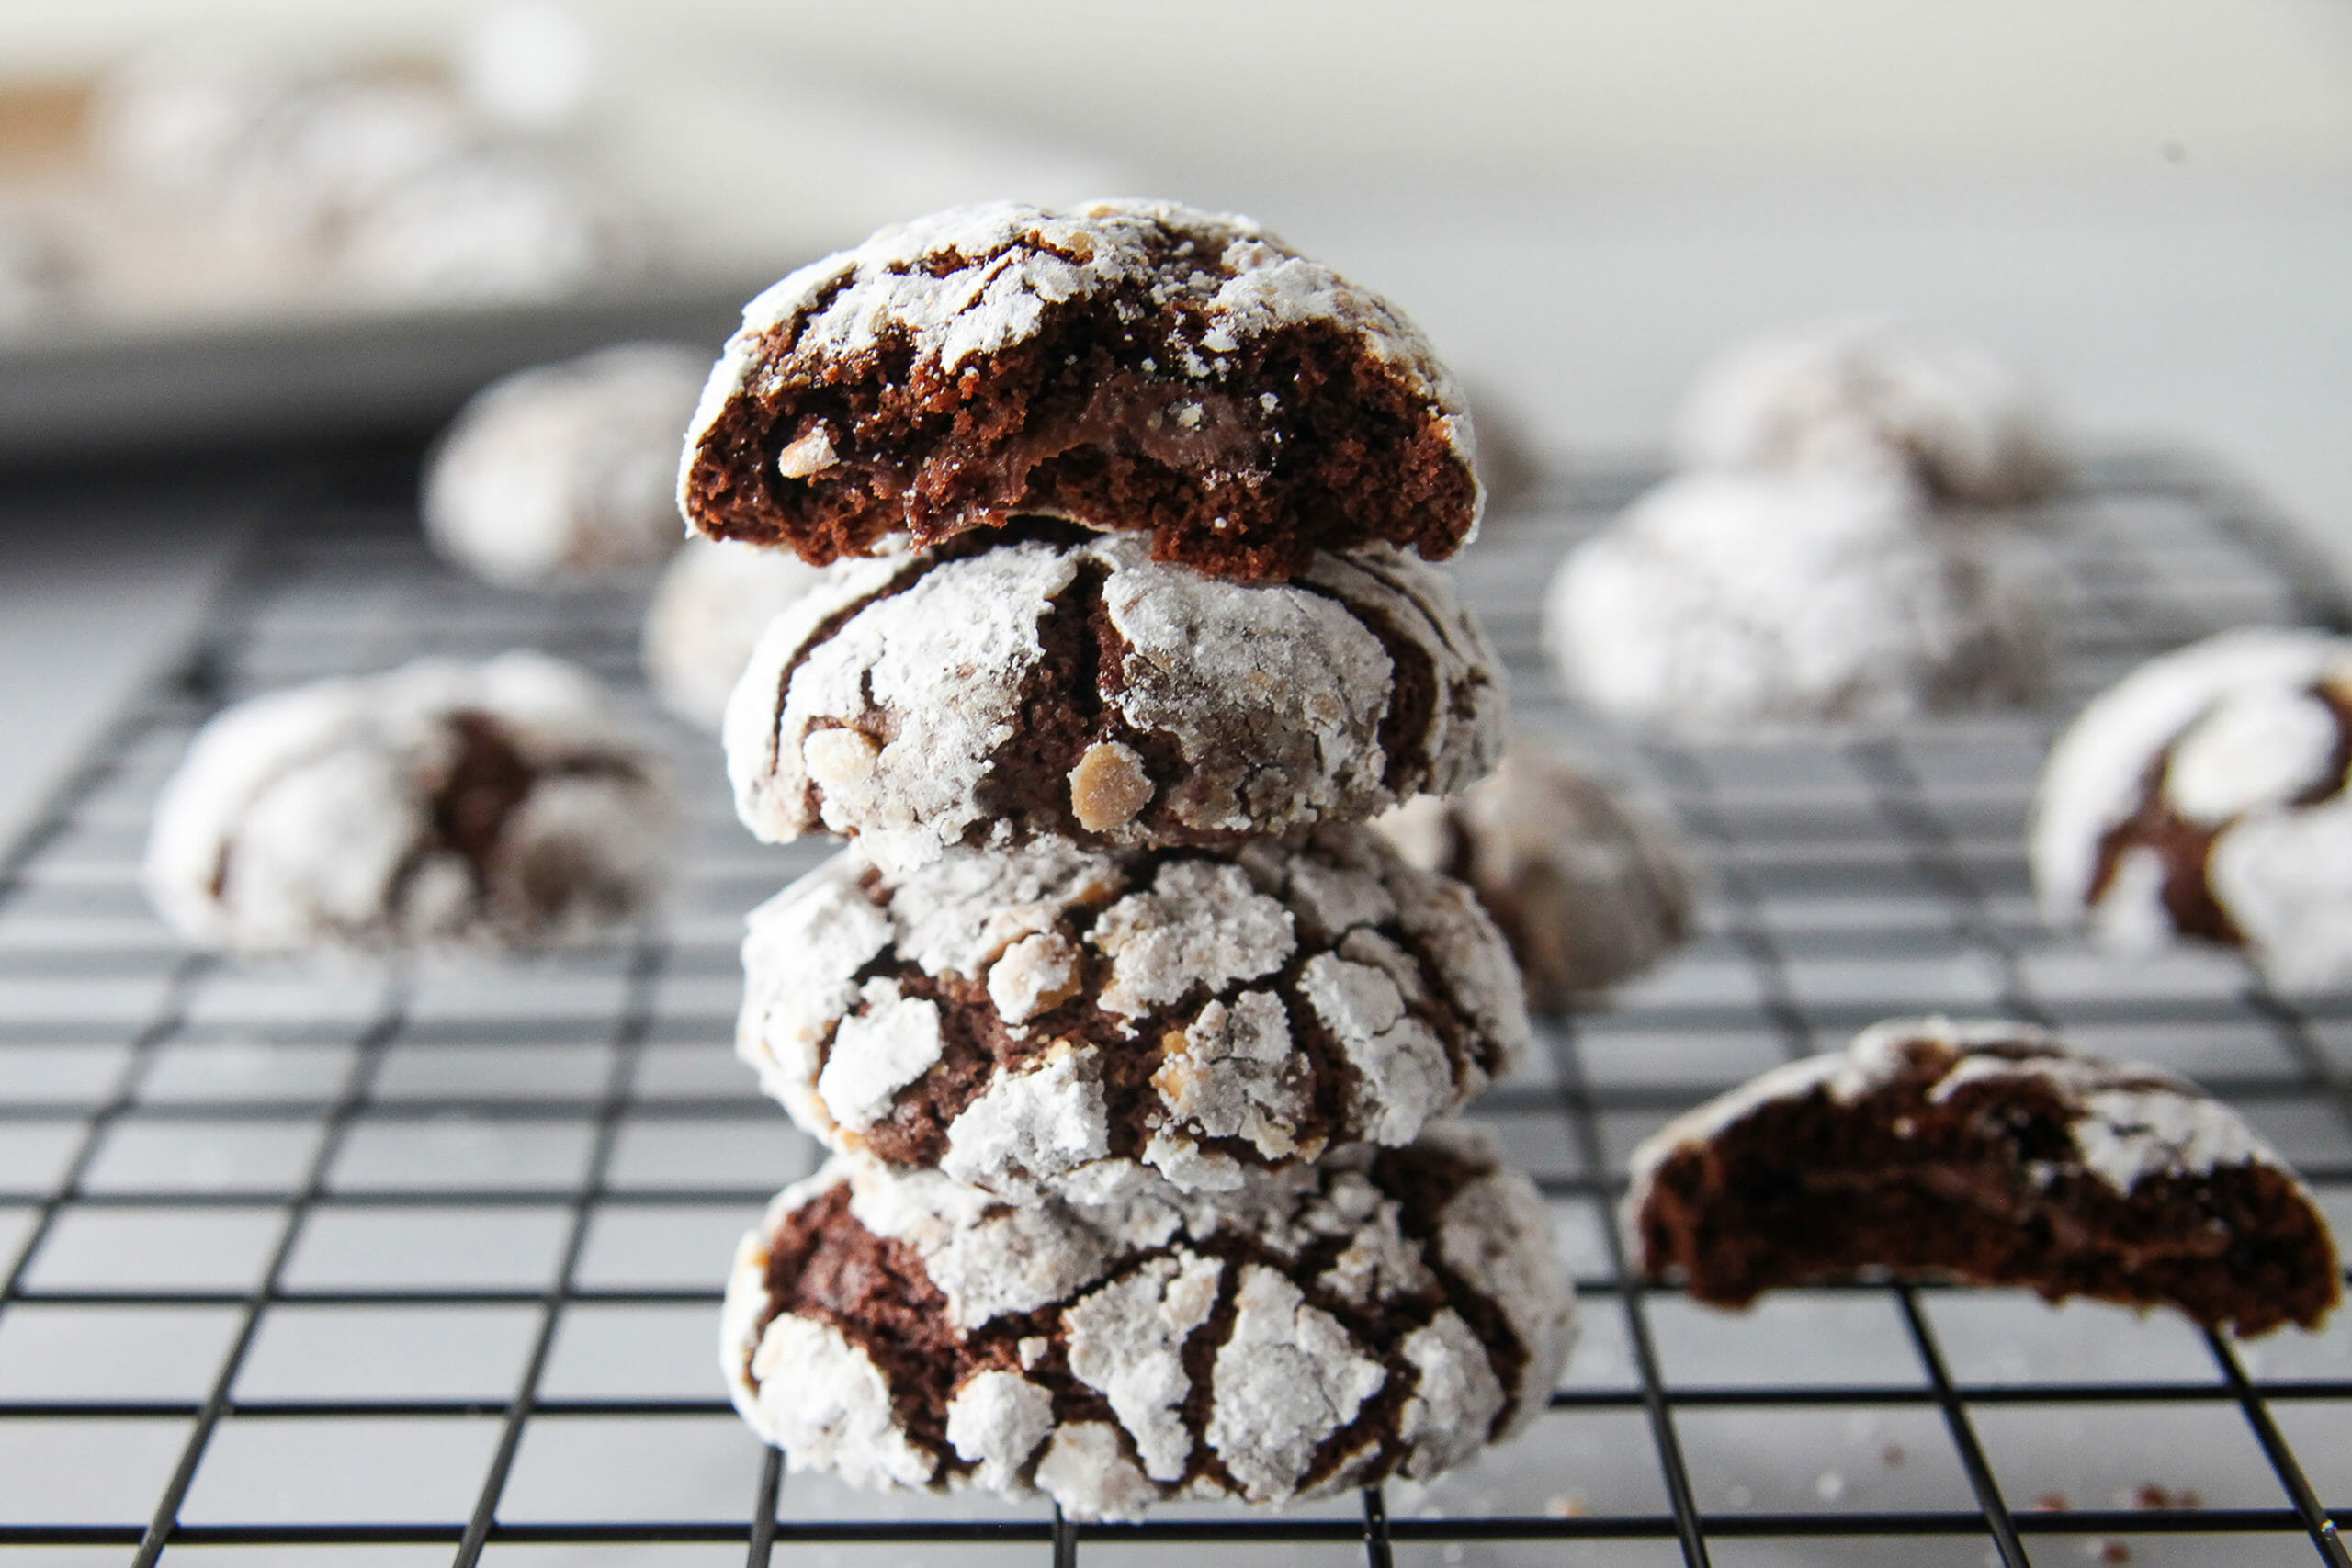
(1868, 397)
(1723, 602)
(1136, 364)
(2015, 1159)
(1586, 887)
(508, 803)
(1048, 1020)
(2204, 795)
(1326, 1326)
(563, 470)
(1070, 686)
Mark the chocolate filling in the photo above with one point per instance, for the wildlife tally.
(1985, 1186)
(825, 1265)
(1297, 441)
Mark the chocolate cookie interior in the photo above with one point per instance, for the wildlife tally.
(1982, 1182)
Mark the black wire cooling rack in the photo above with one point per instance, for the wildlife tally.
(305, 1264)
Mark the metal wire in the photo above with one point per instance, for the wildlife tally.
(593, 1120)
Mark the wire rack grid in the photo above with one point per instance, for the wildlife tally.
(303, 1264)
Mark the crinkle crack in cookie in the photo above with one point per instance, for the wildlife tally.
(2204, 795)
(1060, 682)
(508, 803)
(1385, 1312)
(1051, 1019)
(1987, 1152)
(1588, 888)
(1134, 365)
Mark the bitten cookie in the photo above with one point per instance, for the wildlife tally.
(1380, 1314)
(2204, 796)
(1986, 1152)
(1869, 397)
(1725, 601)
(564, 470)
(712, 604)
(510, 803)
(1051, 1020)
(1587, 889)
(1062, 683)
(1133, 365)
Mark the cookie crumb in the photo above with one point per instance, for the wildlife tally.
(1566, 1505)
(812, 454)
(1108, 787)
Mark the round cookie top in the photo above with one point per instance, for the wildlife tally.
(1128, 364)
(1047, 1019)
(1586, 887)
(563, 470)
(1380, 1314)
(1870, 397)
(1725, 600)
(1054, 682)
(508, 803)
(2204, 795)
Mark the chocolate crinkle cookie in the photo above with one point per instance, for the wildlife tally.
(563, 470)
(1871, 397)
(2204, 796)
(1051, 1020)
(1133, 365)
(1726, 602)
(1586, 887)
(1382, 1313)
(1986, 1152)
(506, 804)
(1050, 682)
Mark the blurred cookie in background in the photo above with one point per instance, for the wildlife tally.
(497, 806)
(1869, 395)
(1587, 887)
(1729, 601)
(566, 470)
(714, 600)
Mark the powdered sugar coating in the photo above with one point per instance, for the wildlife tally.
(1220, 1014)
(713, 602)
(563, 470)
(1159, 1289)
(1729, 601)
(902, 702)
(1870, 397)
(513, 802)
(2232, 750)
(1587, 887)
(2130, 1120)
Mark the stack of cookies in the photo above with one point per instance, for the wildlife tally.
(1135, 1044)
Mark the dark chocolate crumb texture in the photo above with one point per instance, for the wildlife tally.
(1986, 1152)
(1383, 1313)
(1048, 1020)
(1048, 681)
(1131, 364)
